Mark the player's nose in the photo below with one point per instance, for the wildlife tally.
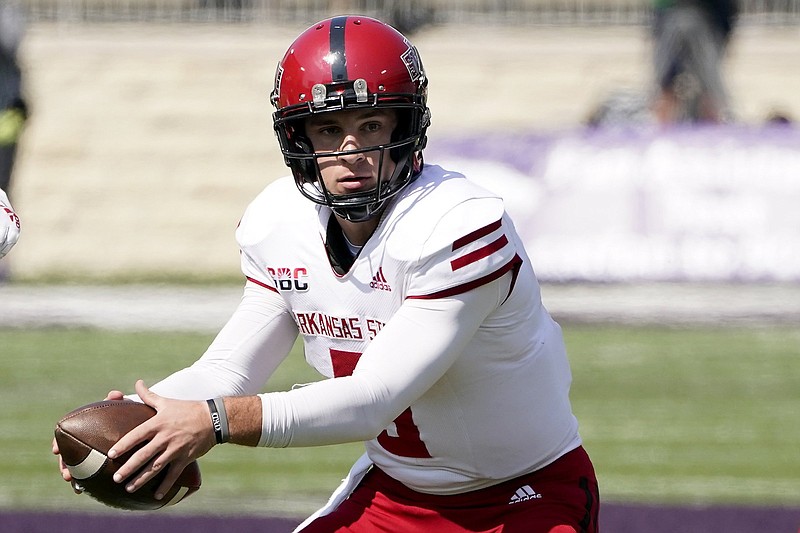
(349, 150)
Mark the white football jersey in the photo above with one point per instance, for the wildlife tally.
(502, 409)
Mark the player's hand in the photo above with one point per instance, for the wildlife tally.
(9, 225)
(62, 468)
(179, 433)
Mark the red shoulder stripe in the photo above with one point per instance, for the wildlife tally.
(480, 253)
(262, 284)
(477, 234)
(514, 265)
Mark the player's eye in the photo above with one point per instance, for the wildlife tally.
(329, 131)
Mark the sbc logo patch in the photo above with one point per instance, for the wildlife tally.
(289, 279)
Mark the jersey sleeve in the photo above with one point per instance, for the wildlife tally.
(254, 271)
(263, 218)
(256, 339)
(471, 245)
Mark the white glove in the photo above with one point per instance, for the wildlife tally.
(9, 225)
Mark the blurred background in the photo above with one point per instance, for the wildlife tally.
(149, 131)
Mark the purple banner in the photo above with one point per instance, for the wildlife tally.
(715, 203)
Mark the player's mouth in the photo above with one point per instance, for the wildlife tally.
(354, 183)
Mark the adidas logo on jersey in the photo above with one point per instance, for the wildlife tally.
(379, 281)
(523, 494)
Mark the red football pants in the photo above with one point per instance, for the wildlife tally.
(560, 498)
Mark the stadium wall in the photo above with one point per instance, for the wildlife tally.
(408, 13)
(147, 141)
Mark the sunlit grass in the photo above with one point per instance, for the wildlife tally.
(668, 415)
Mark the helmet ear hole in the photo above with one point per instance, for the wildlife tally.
(299, 143)
(307, 167)
(401, 131)
(304, 145)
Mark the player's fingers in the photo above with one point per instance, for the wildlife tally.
(66, 475)
(156, 466)
(147, 396)
(115, 395)
(141, 478)
(169, 480)
(140, 433)
(140, 468)
(62, 468)
(164, 459)
(131, 439)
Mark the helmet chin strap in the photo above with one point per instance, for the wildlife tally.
(361, 213)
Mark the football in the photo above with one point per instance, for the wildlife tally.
(84, 437)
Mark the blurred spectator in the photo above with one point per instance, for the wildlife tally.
(408, 16)
(13, 109)
(621, 109)
(778, 117)
(227, 10)
(13, 113)
(691, 37)
(9, 229)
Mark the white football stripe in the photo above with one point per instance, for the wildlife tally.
(89, 466)
(178, 496)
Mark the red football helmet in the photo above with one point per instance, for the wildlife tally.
(351, 62)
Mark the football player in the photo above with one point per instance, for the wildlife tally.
(691, 38)
(9, 225)
(411, 291)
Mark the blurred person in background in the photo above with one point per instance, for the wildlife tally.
(9, 226)
(407, 17)
(690, 41)
(13, 108)
(13, 114)
(412, 293)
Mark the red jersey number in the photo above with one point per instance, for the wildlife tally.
(407, 443)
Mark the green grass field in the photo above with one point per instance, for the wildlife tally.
(668, 415)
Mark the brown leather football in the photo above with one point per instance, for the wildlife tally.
(84, 437)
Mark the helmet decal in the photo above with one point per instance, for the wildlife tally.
(411, 60)
(278, 76)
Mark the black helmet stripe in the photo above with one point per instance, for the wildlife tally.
(339, 59)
